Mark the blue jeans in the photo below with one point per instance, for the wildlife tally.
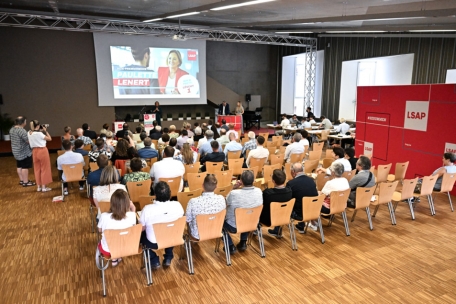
(231, 229)
(154, 259)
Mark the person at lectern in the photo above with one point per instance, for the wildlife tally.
(158, 113)
(224, 109)
(169, 76)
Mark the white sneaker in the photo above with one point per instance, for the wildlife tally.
(65, 191)
(81, 188)
(313, 227)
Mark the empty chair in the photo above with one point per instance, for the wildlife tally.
(314, 155)
(427, 186)
(212, 167)
(446, 186)
(272, 151)
(382, 173)
(184, 197)
(265, 135)
(399, 172)
(338, 205)
(406, 194)
(385, 195)
(191, 168)
(282, 150)
(363, 200)
(173, 183)
(310, 165)
(311, 209)
(137, 189)
(195, 180)
(276, 159)
(317, 146)
(224, 178)
(281, 215)
(235, 165)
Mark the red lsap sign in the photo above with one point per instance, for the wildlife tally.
(450, 148)
(416, 115)
(191, 55)
(368, 148)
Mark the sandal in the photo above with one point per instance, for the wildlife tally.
(20, 183)
(27, 184)
(116, 262)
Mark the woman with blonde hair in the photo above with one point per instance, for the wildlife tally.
(119, 217)
(186, 155)
(38, 136)
(172, 132)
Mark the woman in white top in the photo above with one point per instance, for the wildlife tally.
(38, 136)
(239, 109)
(118, 217)
(339, 183)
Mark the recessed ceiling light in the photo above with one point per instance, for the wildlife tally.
(182, 15)
(240, 4)
(337, 32)
(433, 30)
(153, 20)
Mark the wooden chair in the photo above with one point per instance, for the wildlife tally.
(399, 172)
(349, 174)
(192, 168)
(60, 152)
(184, 197)
(271, 144)
(448, 180)
(327, 162)
(122, 243)
(287, 169)
(155, 142)
(329, 153)
(235, 165)
(311, 209)
(73, 173)
(282, 150)
(104, 206)
(86, 164)
(276, 159)
(152, 161)
(234, 154)
(257, 184)
(272, 151)
(247, 221)
(87, 148)
(224, 191)
(254, 169)
(173, 183)
(363, 200)
(268, 170)
(93, 166)
(382, 173)
(265, 135)
(224, 178)
(167, 235)
(212, 167)
(280, 216)
(406, 194)
(310, 165)
(427, 187)
(385, 195)
(137, 189)
(146, 169)
(196, 180)
(257, 162)
(145, 200)
(338, 205)
(314, 155)
(323, 137)
(297, 158)
(209, 228)
(278, 139)
(244, 140)
(321, 180)
(317, 146)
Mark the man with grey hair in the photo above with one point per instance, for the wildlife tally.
(246, 197)
(364, 178)
(86, 140)
(232, 130)
(295, 148)
(147, 151)
(249, 145)
(206, 147)
(197, 135)
(338, 183)
(223, 139)
(157, 134)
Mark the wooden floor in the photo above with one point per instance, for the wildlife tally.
(47, 255)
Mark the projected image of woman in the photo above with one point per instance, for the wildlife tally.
(169, 76)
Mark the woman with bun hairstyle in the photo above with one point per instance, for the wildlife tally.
(38, 136)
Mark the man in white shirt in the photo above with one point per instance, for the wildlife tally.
(325, 123)
(223, 139)
(305, 124)
(259, 152)
(304, 141)
(168, 167)
(284, 123)
(294, 148)
(207, 203)
(182, 139)
(233, 145)
(343, 127)
(339, 155)
(70, 158)
(161, 211)
(232, 130)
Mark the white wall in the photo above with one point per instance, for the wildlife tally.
(451, 76)
(389, 70)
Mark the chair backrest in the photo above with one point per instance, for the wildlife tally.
(281, 212)
(272, 151)
(386, 191)
(315, 155)
(401, 169)
(233, 154)
(311, 207)
(408, 187)
(254, 169)
(72, 172)
(210, 225)
(265, 135)
(321, 180)
(448, 182)
(184, 197)
(271, 144)
(247, 218)
(338, 201)
(195, 180)
(146, 169)
(327, 162)
(278, 139)
(244, 140)
(155, 142)
(137, 189)
(428, 184)
(212, 167)
(350, 174)
(87, 147)
(192, 168)
(123, 242)
(324, 134)
(120, 164)
(317, 146)
(145, 200)
(224, 178)
(170, 234)
(282, 150)
(276, 159)
(86, 163)
(104, 206)
(60, 152)
(257, 184)
(297, 158)
(363, 196)
(382, 173)
(224, 191)
(153, 160)
(93, 166)
(257, 162)
(288, 171)
(310, 165)
(173, 183)
(268, 170)
(329, 153)
(235, 165)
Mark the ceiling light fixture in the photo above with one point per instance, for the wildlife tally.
(182, 15)
(153, 20)
(339, 32)
(432, 30)
(240, 4)
(297, 32)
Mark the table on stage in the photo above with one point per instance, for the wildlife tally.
(234, 119)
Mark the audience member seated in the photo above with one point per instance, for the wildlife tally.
(339, 155)
(232, 146)
(173, 144)
(172, 132)
(182, 139)
(163, 142)
(154, 129)
(157, 134)
(343, 127)
(93, 179)
(69, 158)
(305, 123)
(136, 135)
(186, 155)
(232, 130)
(118, 217)
(364, 178)
(339, 183)
(198, 136)
(325, 123)
(68, 136)
(294, 120)
(280, 193)
(136, 175)
(224, 126)
(78, 144)
(448, 167)
(107, 147)
(121, 133)
(284, 123)
(87, 132)
(147, 151)
(104, 129)
(246, 197)
(99, 149)
(216, 133)
(124, 150)
(215, 156)
(312, 120)
(163, 210)
(296, 147)
(168, 167)
(259, 152)
(350, 156)
(207, 203)
(304, 141)
(190, 133)
(109, 140)
(140, 145)
(86, 140)
(223, 139)
(206, 147)
(249, 145)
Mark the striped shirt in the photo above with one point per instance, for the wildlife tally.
(19, 143)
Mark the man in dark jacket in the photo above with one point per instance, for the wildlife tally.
(215, 156)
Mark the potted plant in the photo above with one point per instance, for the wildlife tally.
(6, 123)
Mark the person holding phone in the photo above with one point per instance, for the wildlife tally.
(38, 136)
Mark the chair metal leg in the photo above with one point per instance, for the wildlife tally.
(375, 211)
(188, 249)
(151, 280)
(347, 229)
(261, 242)
(391, 211)
(146, 266)
(103, 276)
(320, 226)
(354, 215)
(217, 245)
(451, 203)
(331, 219)
(227, 250)
(395, 206)
(91, 216)
(410, 203)
(306, 224)
(431, 207)
(63, 196)
(430, 198)
(291, 230)
(369, 219)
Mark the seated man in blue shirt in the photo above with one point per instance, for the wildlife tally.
(78, 147)
(147, 151)
(93, 179)
(233, 145)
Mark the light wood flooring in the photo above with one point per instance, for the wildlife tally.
(47, 255)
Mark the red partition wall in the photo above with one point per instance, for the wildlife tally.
(413, 122)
